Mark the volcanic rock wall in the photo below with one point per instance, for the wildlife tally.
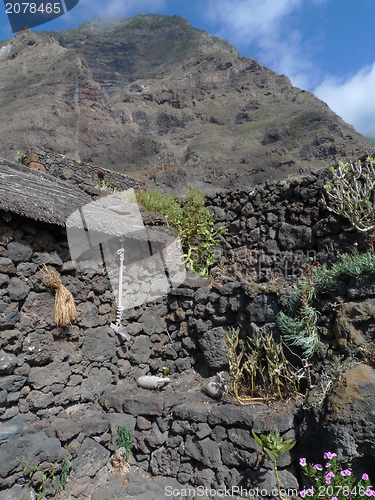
(72, 387)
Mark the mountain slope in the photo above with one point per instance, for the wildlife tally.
(154, 96)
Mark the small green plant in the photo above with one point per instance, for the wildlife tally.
(165, 370)
(351, 193)
(298, 323)
(274, 445)
(332, 482)
(48, 476)
(194, 223)
(65, 468)
(21, 157)
(235, 359)
(124, 439)
(103, 186)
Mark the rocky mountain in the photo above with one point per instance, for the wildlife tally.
(157, 98)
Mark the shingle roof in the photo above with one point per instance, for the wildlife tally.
(42, 197)
(37, 195)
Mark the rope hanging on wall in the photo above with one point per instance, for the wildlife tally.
(64, 309)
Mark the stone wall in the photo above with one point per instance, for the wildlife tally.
(84, 175)
(275, 230)
(74, 386)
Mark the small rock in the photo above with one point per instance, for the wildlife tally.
(37, 166)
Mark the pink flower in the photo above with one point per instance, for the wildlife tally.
(329, 455)
(303, 493)
(330, 474)
(328, 480)
(302, 462)
(368, 493)
(318, 467)
(346, 472)
(365, 476)
(328, 464)
(334, 498)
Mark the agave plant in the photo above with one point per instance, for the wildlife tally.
(274, 445)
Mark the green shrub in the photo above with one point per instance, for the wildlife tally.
(299, 321)
(351, 193)
(330, 481)
(194, 223)
(275, 446)
(124, 439)
(260, 369)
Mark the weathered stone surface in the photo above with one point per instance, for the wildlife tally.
(4, 280)
(7, 266)
(215, 349)
(38, 347)
(26, 269)
(97, 382)
(150, 323)
(363, 286)
(291, 237)
(196, 412)
(165, 462)
(206, 451)
(90, 422)
(18, 289)
(143, 403)
(18, 492)
(12, 383)
(7, 362)
(37, 311)
(354, 324)
(10, 431)
(88, 315)
(354, 398)
(99, 344)
(46, 258)
(20, 251)
(264, 309)
(179, 432)
(38, 400)
(156, 438)
(9, 314)
(53, 373)
(34, 448)
(92, 456)
(141, 350)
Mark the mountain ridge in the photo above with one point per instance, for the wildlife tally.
(153, 97)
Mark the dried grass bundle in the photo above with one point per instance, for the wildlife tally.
(65, 309)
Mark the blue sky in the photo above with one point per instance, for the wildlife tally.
(324, 46)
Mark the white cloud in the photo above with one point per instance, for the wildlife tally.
(251, 20)
(268, 26)
(353, 99)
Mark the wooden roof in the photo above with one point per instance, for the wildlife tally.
(37, 195)
(42, 197)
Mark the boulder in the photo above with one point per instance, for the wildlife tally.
(354, 325)
(292, 236)
(215, 349)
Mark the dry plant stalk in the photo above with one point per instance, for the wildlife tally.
(65, 309)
